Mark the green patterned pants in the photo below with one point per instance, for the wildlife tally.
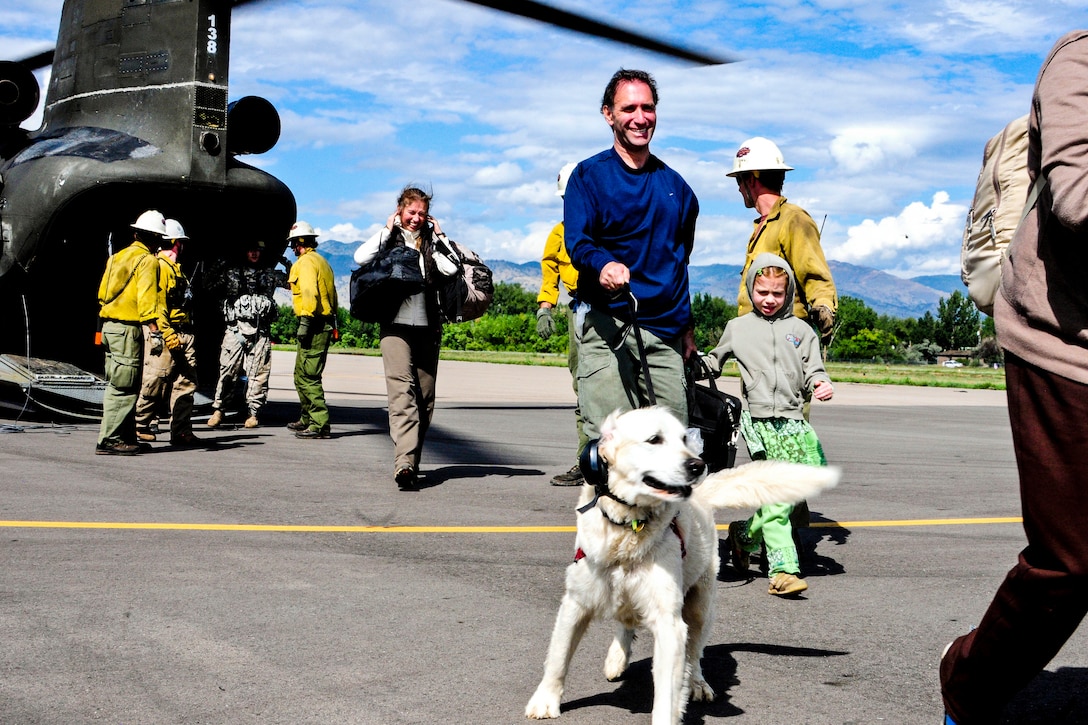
(778, 439)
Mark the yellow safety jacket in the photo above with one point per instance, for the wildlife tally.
(313, 287)
(128, 291)
(555, 265)
(173, 310)
(790, 233)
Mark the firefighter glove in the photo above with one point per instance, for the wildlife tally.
(304, 332)
(173, 342)
(545, 324)
(824, 319)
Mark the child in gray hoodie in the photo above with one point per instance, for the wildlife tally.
(779, 360)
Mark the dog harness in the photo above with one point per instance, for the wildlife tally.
(579, 554)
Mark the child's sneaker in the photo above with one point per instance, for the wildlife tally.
(784, 584)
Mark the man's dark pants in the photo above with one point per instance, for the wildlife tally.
(1044, 597)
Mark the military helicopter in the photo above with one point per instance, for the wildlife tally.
(137, 117)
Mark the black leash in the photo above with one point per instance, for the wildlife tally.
(632, 306)
(601, 487)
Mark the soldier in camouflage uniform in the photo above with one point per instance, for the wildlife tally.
(246, 292)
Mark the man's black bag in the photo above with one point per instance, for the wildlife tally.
(716, 415)
(379, 287)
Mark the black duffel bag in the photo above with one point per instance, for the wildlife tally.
(716, 415)
(380, 286)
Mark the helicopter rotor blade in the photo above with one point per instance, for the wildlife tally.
(581, 24)
(532, 10)
(41, 60)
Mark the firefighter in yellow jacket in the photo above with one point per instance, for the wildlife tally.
(128, 296)
(556, 268)
(313, 295)
(786, 230)
(173, 371)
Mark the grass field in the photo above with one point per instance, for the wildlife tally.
(924, 375)
(927, 375)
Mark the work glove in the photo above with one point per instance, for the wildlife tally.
(173, 342)
(824, 320)
(304, 333)
(545, 323)
(156, 343)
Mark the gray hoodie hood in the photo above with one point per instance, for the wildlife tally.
(766, 259)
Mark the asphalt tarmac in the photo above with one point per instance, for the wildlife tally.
(267, 579)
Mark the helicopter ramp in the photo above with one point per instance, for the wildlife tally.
(52, 385)
(58, 387)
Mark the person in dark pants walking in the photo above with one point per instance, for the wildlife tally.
(1041, 311)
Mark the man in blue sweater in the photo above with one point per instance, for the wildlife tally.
(629, 220)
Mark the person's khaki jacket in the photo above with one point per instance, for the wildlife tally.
(172, 283)
(555, 266)
(790, 233)
(1041, 308)
(128, 291)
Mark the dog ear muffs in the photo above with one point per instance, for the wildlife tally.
(593, 467)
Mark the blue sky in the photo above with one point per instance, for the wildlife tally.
(882, 108)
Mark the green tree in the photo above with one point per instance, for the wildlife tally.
(852, 317)
(710, 314)
(989, 352)
(284, 326)
(987, 328)
(512, 299)
(923, 351)
(868, 345)
(925, 329)
(957, 322)
(355, 333)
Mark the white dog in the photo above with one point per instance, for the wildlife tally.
(647, 554)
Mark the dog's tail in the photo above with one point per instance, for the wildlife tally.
(765, 482)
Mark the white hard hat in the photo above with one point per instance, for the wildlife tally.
(564, 177)
(151, 221)
(174, 230)
(301, 229)
(758, 154)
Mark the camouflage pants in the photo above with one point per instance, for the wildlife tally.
(250, 354)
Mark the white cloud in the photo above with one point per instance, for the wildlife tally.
(859, 149)
(877, 105)
(346, 233)
(498, 175)
(919, 236)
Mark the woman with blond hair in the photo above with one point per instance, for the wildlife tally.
(410, 341)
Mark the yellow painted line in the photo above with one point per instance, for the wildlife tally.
(285, 528)
(911, 522)
(288, 528)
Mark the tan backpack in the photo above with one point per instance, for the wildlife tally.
(998, 207)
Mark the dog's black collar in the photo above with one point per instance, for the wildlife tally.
(601, 489)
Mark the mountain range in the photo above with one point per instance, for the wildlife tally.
(886, 294)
